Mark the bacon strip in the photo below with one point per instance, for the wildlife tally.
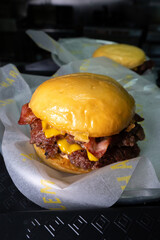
(27, 116)
(97, 149)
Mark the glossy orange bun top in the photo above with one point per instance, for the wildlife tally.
(124, 54)
(83, 104)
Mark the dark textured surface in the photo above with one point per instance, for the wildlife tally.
(107, 224)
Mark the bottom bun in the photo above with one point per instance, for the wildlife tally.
(59, 163)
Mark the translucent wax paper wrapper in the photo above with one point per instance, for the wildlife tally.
(66, 50)
(101, 188)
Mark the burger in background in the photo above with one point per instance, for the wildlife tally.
(129, 56)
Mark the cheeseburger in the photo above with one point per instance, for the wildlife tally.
(82, 121)
(127, 55)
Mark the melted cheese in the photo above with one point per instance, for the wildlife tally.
(83, 137)
(50, 131)
(66, 147)
(130, 127)
(63, 145)
(91, 157)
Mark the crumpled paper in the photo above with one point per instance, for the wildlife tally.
(66, 50)
(51, 189)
